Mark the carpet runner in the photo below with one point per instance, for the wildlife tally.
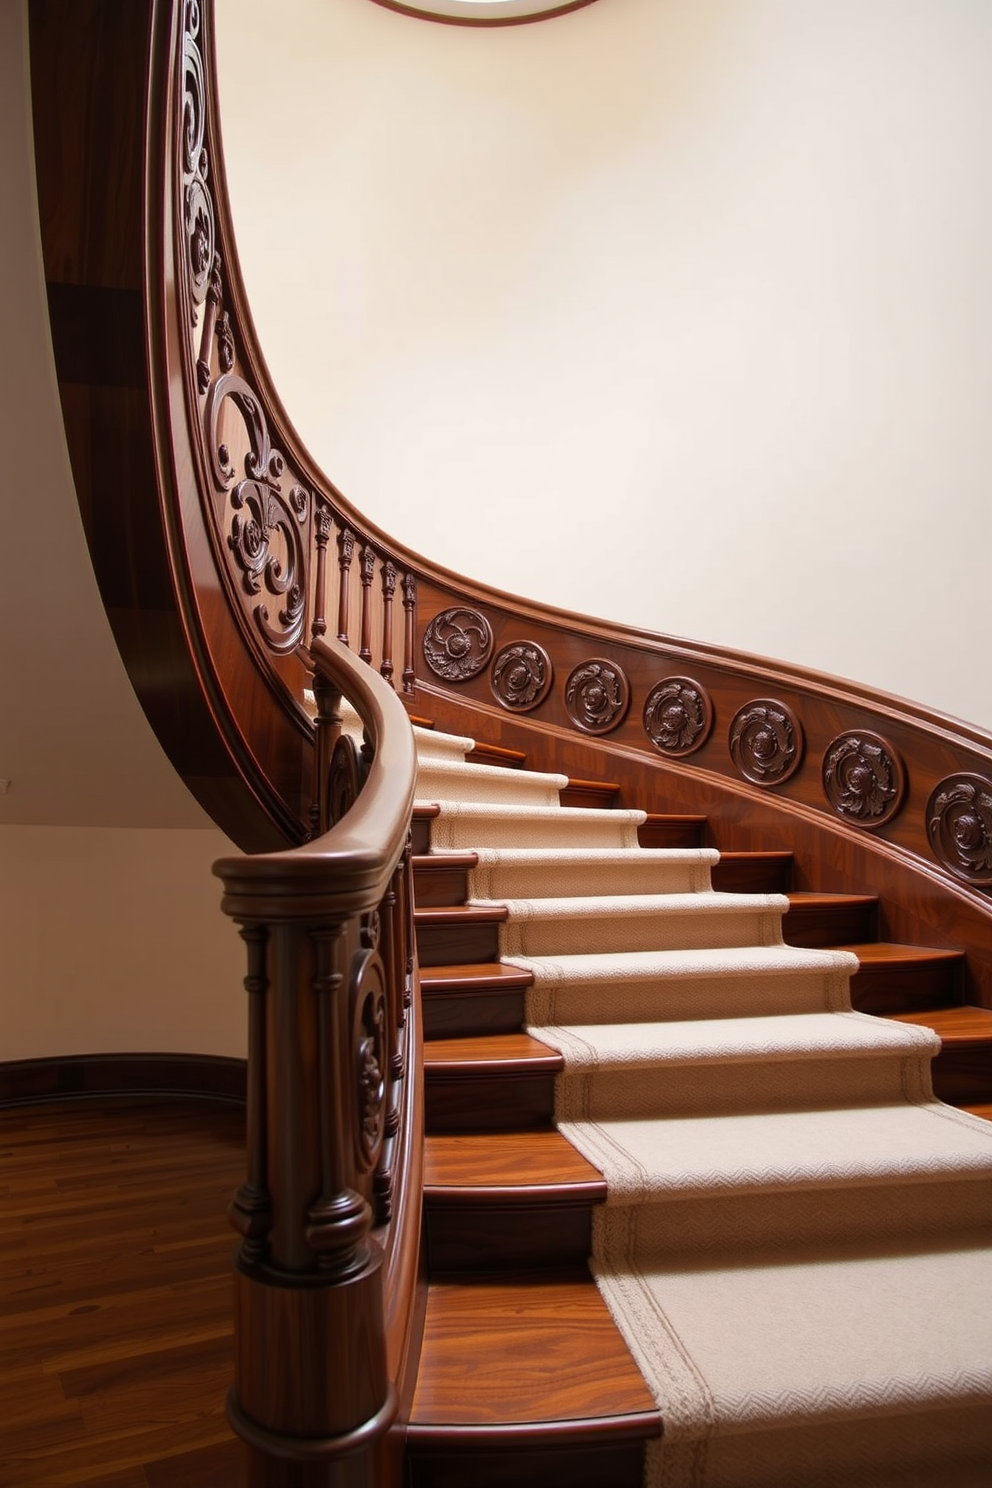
(795, 1242)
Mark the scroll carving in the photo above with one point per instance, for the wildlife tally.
(368, 1024)
(521, 676)
(198, 220)
(457, 644)
(863, 778)
(264, 541)
(959, 825)
(766, 741)
(678, 716)
(597, 695)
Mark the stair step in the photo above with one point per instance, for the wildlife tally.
(753, 872)
(893, 978)
(420, 828)
(441, 879)
(502, 1362)
(962, 1071)
(496, 754)
(497, 1201)
(462, 1000)
(458, 933)
(662, 830)
(820, 921)
(501, 1082)
(595, 793)
(984, 1110)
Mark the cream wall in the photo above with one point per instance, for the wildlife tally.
(677, 311)
(111, 935)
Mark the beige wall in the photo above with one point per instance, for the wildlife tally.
(677, 311)
(111, 935)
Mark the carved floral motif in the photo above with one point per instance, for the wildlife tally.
(766, 741)
(521, 676)
(678, 715)
(863, 778)
(367, 999)
(457, 644)
(959, 825)
(597, 695)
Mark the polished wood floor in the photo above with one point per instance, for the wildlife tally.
(115, 1293)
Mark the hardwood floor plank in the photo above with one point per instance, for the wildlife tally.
(116, 1331)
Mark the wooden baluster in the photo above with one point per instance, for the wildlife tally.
(328, 700)
(409, 627)
(346, 549)
(367, 574)
(322, 527)
(388, 591)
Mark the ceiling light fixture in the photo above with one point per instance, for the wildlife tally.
(483, 12)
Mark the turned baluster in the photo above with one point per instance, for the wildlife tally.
(388, 591)
(322, 527)
(409, 626)
(346, 549)
(367, 575)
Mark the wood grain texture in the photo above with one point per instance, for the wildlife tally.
(116, 1326)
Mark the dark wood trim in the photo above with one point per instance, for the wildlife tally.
(422, 13)
(212, 1076)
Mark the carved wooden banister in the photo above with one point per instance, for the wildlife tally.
(328, 1218)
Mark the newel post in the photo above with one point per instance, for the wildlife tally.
(312, 1397)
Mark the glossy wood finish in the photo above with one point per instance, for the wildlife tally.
(116, 1327)
(489, 1083)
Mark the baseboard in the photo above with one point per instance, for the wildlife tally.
(26, 1081)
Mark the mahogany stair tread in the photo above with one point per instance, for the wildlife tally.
(480, 1054)
(525, 1351)
(957, 1026)
(541, 1163)
(474, 974)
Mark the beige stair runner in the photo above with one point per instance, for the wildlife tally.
(796, 1239)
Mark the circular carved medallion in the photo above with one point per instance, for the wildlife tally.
(863, 778)
(766, 741)
(959, 825)
(521, 676)
(597, 696)
(457, 644)
(678, 715)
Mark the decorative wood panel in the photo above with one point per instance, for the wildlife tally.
(597, 696)
(863, 778)
(521, 676)
(678, 716)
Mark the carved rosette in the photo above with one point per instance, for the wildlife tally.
(597, 695)
(959, 825)
(457, 644)
(367, 1001)
(678, 716)
(863, 778)
(521, 676)
(766, 741)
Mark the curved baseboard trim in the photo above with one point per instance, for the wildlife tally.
(28, 1081)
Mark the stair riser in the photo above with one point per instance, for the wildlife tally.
(819, 926)
(462, 1014)
(474, 1103)
(454, 945)
(436, 888)
(963, 1077)
(490, 1465)
(900, 988)
(469, 1237)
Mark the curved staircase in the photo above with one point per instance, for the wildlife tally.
(524, 1377)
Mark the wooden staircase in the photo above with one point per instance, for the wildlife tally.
(524, 1378)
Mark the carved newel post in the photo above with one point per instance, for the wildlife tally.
(311, 1398)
